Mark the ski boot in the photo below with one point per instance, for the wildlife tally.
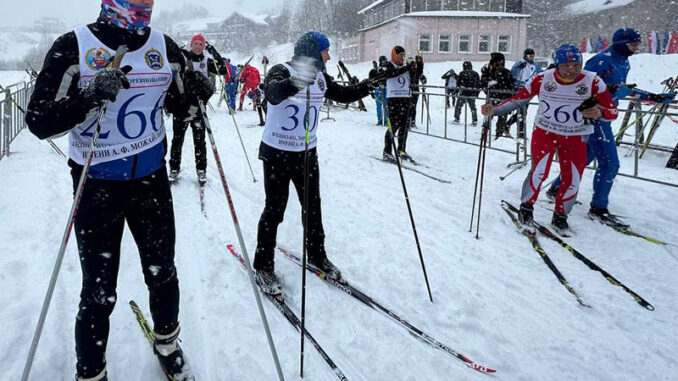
(331, 271)
(404, 156)
(605, 217)
(551, 192)
(525, 215)
(173, 175)
(456, 120)
(268, 282)
(388, 157)
(202, 177)
(559, 222)
(99, 377)
(171, 357)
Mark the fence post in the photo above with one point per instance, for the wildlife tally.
(6, 121)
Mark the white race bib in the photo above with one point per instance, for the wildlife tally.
(133, 123)
(558, 105)
(399, 87)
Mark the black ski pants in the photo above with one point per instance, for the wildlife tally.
(146, 205)
(179, 128)
(281, 168)
(471, 105)
(399, 114)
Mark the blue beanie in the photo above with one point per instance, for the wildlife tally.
(625, 36)
(567, 53)
(310, 44)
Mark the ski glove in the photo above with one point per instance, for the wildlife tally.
(306, 72)
(664, 98)
(198, 86)
(106, 84)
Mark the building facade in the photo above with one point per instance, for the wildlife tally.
(442, 30)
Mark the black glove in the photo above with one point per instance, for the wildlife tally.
(522, 65)
(210, 49)
(106, 85)
(371, 84)
(665, 98)
(354, 81)
(412, 64)
(422, 79)
(306, 72)
(198, 86)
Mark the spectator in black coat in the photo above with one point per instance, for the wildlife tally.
(498, 83)
(468, 81)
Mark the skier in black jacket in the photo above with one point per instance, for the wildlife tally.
(282, 150)
(399, 76)
(207, 66)
(498, 82)
(127, 181)
(467, 81)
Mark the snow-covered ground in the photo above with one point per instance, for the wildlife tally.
(495, 300)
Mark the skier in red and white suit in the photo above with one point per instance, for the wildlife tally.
(560, 125)
(251, 79)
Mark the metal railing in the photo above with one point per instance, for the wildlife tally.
(13, 101)
(637, 146)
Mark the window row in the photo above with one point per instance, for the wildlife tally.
(464, 43)
(458, 5)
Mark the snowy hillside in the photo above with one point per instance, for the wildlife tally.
(495, 300)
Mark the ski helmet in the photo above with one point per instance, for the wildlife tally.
(626, 36)
(567, 53)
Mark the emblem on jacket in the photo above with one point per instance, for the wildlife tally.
(581, 89)
(97, 58)
(321, 84)
(550, 86)
(154, 59)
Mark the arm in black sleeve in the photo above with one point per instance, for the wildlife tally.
(345, 94)
(278, 85)
(57, 104)
(175, 100)
(391, 71)
(217, 57)
(213, 67)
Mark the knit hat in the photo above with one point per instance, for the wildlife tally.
(311, 44)
(467, 65)
(497, 57)
(198, 37)
(625, 36)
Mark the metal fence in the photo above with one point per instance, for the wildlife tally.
(634, 119)
(13, 101)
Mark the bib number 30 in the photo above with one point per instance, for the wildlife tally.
(312, 118)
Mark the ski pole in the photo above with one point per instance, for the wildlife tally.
(305, 214)
(119, 54)
(481, 156)
(222, 174)
(482, 177)
(402, 181)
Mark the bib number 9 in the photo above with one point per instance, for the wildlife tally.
(402, 82)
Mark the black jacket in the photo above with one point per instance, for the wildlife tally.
(502, 80)
(57, 104)
(214, 66)
(468, 79)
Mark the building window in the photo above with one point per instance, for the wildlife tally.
(504, 44)
(433, 5)
(465, 5)
(482, 5)
(497, 5)
(450, 5)
(425, 43)
(484, 43)
(465, 43)
(444, 43)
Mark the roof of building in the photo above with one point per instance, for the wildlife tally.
(592, 6)
(196, 25)
(255, 18)
(367, 8)
(464, 14)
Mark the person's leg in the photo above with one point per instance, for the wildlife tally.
(458, 107)
(98, 230)
(474, 112)
(150, 217)
(199, 146)
(572, 159)
(543, 148)
(315, 235)
(276, 186)
(380, 116)
(605, 149)
(178, 132)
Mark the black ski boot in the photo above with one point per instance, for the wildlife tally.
(99, 377)
(551, 192)
(559, 222)
(268, 282)
(525, 213)
(605, 217)
(173, 175)
(388, 157)
(171, 356)
(202, 177)
(325, 265)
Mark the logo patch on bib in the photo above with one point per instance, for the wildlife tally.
(97, 58)
(154, 59)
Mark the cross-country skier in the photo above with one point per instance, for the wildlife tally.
(559, 126)
(612, 65)
(399, 103)
(204, 65)
(230, 85)
(127, 182)
(250, 79)
(282, 150)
